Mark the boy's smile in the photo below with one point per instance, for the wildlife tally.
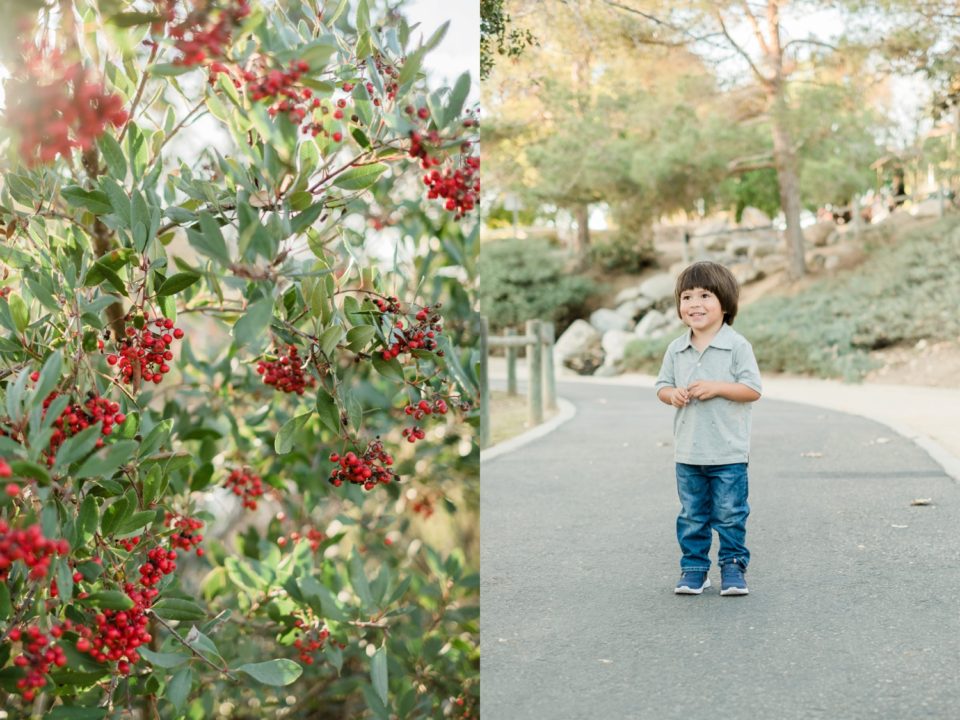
(700, 311)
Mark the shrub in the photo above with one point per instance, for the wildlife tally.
(526, 280)
(239, 458)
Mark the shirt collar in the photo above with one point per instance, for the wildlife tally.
(723, 340)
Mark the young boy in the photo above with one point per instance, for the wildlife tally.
(710, 376)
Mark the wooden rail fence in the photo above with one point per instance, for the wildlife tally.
(538, 340)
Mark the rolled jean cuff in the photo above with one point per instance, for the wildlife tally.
(694, 569)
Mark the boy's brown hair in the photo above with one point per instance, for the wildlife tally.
(715, 278)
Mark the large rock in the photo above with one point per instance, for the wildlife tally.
(754, 217)
(746, 273)
(579, 339)
(606, 319)
(659, 287)
(739, 246)
(634, 309)
(614, 345)
(819, 234)
(652, 325)
(711, 226)
(630, 293)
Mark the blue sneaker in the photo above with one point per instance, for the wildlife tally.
(732, 581)
(692, 583)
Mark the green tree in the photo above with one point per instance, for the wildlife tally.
(238, 449)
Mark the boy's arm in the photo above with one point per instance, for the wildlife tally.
(708, 389)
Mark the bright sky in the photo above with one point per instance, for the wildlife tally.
(460, 49)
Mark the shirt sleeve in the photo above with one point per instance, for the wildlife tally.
(666, 376)
(745, 368)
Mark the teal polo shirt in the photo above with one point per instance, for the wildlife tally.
(715, 431)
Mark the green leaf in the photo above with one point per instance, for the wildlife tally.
(114, 515)
(50, 375)
(391, 369)
(178, 689)
(359, 336)
(168, 69)
(176, 283)
(437, 36)
(88, 520)
(306, 218)
(210, 240)
(19, 312)
(5, 607)
(99, 272)
(330, 338)
(254, 323)
(363, 17)
(131, 19)
(78, 446)
(457, 97)
(156, 438)
(276, 673)
(378, 673)
(178, 609)
(27, 469)
(136, 521)
(358, 578)
(360, 178)
(113, 154)
(284, 440)
(105, 464)
(162, 660)
(63, 712)
(328, 411)
(95, 201)
(109, 600)
(64, 577)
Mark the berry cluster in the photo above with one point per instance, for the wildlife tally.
(145, 354)
(160, 562)
(314, 537)
(38, 654)
(119, 633)
(246, 485)
(6, 472)
(75, 417)
(199, 37)
(55, 106)
(368, 469)
(312, 640)
(185, 538)
(286, 373)
(417, 412)
(421, 335)
(460, 187)
(423, 505)
(30, 547)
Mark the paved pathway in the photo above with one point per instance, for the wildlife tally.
(853, 611)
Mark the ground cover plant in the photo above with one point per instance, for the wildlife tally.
(902, 293)
(237, 365)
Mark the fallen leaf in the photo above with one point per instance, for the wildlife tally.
(811, 454)
(921, 501)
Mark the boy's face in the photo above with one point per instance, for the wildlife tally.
(700, 310)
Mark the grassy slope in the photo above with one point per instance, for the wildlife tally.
(908, 288)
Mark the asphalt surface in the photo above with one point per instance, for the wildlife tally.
(854, 605)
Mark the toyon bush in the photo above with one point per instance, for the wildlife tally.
(237, 367)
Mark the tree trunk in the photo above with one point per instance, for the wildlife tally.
(582, 242)
(786, 164)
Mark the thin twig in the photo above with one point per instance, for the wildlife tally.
(224, 671)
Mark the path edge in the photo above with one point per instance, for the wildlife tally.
(566, 410)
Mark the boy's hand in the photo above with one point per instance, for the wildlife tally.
(703, 389)
(679, 397)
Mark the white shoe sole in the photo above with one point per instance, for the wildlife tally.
(735, 591)
(691, 591)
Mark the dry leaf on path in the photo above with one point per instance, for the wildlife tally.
(921, 501)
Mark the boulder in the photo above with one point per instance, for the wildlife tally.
(630, 293)
(746, 273)
(763, 247)
(771, 264)
(652, 325)
(634, 309)
(819, 233)
(614, 344)
(606, 319)
(754, 217)
(711, 226)
(739, 246)
(659, 287)
(578, 339)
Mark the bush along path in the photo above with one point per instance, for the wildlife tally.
(226, 435)
(846, 615)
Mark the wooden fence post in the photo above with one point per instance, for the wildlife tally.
(484, 386)
(549, 377)
(511, 364)
(534, 374)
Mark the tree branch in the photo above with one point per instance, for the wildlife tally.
(766, 81)
(810, 41)
(751, 18)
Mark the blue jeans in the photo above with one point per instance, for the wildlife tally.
(712, 497)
